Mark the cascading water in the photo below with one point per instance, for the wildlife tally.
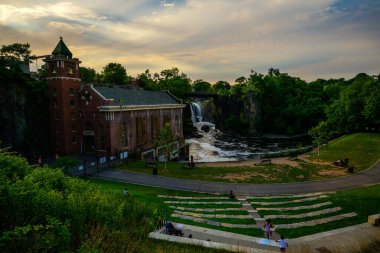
(196, 117)
(196, 112)
(215, 146)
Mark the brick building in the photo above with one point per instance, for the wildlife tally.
(102, 119)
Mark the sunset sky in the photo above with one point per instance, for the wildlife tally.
(207, 39)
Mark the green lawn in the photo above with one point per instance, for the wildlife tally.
(362, 150)
(363, 201)
(272, 173)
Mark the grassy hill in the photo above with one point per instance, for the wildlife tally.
(362, 150)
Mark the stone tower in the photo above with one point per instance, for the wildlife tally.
(64, 83)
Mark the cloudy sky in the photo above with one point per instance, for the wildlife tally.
(207, 39)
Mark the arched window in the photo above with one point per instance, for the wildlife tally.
(141, 131)
(155, 124)
(177, 125)
(123, 135)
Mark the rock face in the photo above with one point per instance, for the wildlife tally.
(238, 113)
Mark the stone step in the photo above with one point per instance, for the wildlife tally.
(294, 207)
(303, 215)
(290, 201)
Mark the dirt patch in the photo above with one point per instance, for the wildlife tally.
(286, 161)
(332, 173)
(306, 158)
(251, 163)
(244, 176)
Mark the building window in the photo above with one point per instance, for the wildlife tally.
(56, 115)
(141, 131)
(101, 138)
(70, 70)
(123, 135)
(74, 133)
(71, 91)
(72, 116)
(110, 115)
(166, 119)
(72, 103)
(55, 92)
(176, 124)
(55, 103)
(155, 124)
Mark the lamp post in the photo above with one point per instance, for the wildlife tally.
(120, 122)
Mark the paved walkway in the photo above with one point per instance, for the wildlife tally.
(339, 240)
(364, 178)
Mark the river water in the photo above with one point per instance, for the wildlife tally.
(215, 146)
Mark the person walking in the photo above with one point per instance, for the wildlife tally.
(267, 228)
(283, 244)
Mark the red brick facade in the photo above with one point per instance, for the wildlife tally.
(83, 120)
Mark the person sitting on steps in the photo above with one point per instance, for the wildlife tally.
(232, 195)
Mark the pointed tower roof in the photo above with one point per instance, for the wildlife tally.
(61, 49)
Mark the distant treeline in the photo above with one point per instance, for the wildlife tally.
(284, 104)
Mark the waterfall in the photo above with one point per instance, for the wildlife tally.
(196, 117)
(196, 112)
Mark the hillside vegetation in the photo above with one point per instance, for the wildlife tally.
(42, 210)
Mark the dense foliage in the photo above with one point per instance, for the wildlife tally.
(356, 109)
(24, 103)
(87, 75)
(289, 105)
(115, 73)
(42, 210)
(169, 79)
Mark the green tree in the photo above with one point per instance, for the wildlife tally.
(165, 138)
(201, 86)
(146, 81)
(24, 101)
(15, 53)
(171, 80)
(320, 135)
(88, 75)
(114, 73)
(221, 87)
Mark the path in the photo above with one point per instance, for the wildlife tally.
(364, 178)
(339, 240)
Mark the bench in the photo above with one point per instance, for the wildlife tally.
(292, 158)
(264, 162)
(374, 219)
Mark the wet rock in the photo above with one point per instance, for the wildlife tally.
(205, 128)
(197, 136)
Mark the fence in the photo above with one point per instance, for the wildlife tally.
(160, 152)
(91, 164)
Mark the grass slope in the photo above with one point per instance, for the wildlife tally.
(362, 150)
(363, 201)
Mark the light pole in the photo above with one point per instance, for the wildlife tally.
(120, 127)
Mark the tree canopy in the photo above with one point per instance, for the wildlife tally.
(88, 75)
(114, 73)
